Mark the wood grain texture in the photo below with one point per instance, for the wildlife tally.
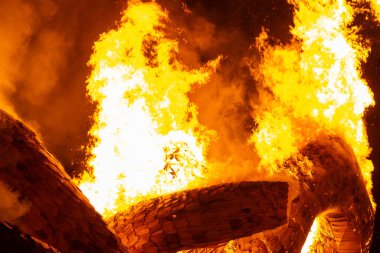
(12, 240)
(336, 186)
(202, 217)
(60, 214)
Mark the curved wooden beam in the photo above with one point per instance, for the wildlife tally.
(59, 213)
(202, 217)
(334, 188)
(330, 183)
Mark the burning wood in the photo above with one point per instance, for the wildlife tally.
(329, 183)
(59, 213)
(61, 216)
(202, 217)
(335, 187)
(307, 87)
(147, 106)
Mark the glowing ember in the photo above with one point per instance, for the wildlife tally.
(147, 139)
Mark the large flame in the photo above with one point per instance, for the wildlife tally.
(313, 85)
(147, 139)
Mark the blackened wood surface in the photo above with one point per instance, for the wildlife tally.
(60, 214)
(12, 240)
(202, 217)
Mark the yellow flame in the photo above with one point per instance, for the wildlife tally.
(311, 237)
(147, 139)
(315, 85)
(376, 7)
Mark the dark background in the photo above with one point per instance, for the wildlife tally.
(46, 45)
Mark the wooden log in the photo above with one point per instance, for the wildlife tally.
(61, 216)
(14, 241)
(202, 217)
(334, 186)
(59, 213)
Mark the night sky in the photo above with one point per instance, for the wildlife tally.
(43, 62)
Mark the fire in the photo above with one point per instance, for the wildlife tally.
(376, 7)
(311, 237)
(147, 139)
(311, 86)
(315, 85)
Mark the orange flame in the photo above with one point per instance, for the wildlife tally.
(315, 85)
(311, 86)
(147, 139)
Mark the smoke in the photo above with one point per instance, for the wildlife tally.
(207, 30)
(11, 209)
(16, 27)
(46, 44)
(44, 49)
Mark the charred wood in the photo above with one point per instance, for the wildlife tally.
(59, 213)
(15, 241)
